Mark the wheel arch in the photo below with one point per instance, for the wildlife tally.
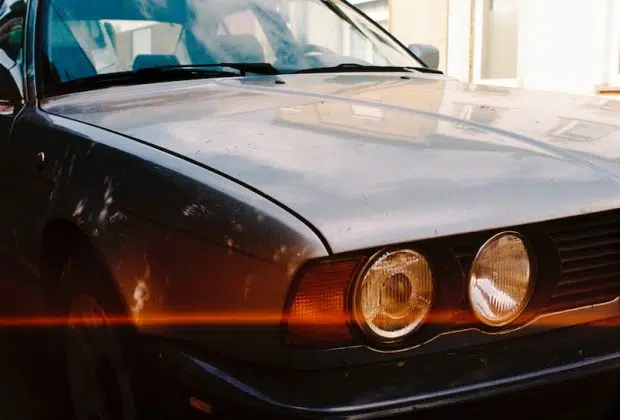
(59, 237)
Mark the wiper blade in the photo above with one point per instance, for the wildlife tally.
(160, 74)
(126, 78)
(355, 67)
(242, 68)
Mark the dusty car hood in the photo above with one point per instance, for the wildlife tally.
(374, 159)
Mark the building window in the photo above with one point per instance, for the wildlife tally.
(615, 46)
(497, 42)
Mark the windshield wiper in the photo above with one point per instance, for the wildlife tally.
(242, 68)
(160, 74)
(355, 67)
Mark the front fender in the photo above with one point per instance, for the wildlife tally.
(186, 247)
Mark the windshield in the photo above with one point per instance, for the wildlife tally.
(83, 39)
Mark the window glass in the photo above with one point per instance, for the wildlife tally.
(86, 38)
(500, 36)
(616, 51)
(363, 44)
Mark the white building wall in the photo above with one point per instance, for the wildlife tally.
(459, 55)
(421, 22)
(565, 45)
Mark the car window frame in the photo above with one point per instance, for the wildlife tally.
(30, 52)
(34, 54)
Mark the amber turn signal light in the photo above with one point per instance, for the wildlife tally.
(317, 312)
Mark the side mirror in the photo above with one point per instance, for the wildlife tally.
(429, 54)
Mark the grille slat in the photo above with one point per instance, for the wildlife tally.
(568, 283)
(589, 251)
(587, 234)
(589, 243)
(586, 287)
(584, 255)
(590, 268)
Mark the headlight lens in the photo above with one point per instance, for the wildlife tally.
(394, 295)
(500, 282)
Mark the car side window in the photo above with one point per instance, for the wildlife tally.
(12, 18)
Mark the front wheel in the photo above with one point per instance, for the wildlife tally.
(101, 367)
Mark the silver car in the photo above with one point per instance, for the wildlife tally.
(274, 205)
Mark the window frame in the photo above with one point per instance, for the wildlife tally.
(614, 53)
(31, 60)
(478, 45)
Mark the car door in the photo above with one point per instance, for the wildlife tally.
(12, 17)
(31, 152)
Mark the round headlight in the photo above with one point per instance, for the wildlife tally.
(500, 282)
(394, 295)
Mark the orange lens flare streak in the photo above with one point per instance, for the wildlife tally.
(254, 319)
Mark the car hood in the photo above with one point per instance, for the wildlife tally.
(377, 159)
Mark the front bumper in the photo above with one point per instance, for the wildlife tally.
(383, 390)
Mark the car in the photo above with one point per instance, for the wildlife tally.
(277, 207)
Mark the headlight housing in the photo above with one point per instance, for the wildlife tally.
(394, 295)
(500, 281)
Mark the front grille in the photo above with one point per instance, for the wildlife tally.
(589, 251)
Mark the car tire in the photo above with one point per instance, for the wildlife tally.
(101, 363)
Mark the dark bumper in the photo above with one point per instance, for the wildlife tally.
(430, 382)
